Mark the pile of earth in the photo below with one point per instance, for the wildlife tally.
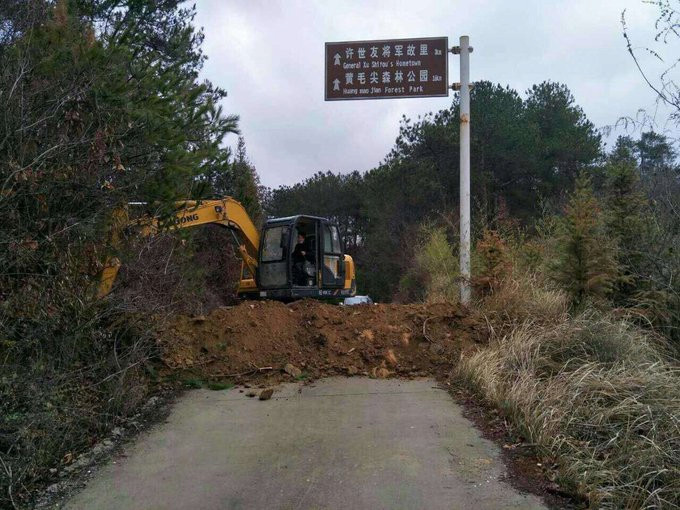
(271, 341)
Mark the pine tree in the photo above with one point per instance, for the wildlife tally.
(624, 151)
(246, 182)
(655, 153)
(584, 263)
(625, 206)
(100, 104)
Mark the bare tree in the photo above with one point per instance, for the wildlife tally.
(664, 49)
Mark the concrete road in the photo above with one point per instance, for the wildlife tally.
(339, 444)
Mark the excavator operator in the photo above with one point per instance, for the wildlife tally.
(301, 254)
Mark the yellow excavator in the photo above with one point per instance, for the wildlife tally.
(271, 266)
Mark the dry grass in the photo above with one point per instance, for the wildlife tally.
(597, 394)
(519, 300)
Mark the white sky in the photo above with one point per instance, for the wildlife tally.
(269, 57)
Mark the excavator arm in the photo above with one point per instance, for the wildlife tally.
(191, 213)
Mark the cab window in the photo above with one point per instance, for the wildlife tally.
(275, 240)
(331, 240)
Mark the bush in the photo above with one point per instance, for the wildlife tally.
(493, 262)
(68, 375)
(596, 394)
(191, 272)
(434, 274)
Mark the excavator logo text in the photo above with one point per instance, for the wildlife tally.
(185, 219)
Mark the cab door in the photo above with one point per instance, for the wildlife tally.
(273, 267)
(333, 265)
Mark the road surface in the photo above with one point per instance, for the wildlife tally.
(342, 443)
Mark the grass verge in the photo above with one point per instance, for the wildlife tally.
(597, 396)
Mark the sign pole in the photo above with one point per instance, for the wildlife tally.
(465, 169)
(398, 68)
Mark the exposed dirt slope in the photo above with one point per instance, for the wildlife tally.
(319, 339)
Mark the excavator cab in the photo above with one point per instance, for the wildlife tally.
(324, 271)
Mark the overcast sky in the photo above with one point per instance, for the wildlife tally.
(269, 56)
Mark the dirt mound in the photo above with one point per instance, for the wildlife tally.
(310, 339)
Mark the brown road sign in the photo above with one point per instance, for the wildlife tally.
(387, 69)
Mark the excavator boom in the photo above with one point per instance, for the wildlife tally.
(191, 213)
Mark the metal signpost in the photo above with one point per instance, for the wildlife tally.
(400, 68)
(464, 50)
